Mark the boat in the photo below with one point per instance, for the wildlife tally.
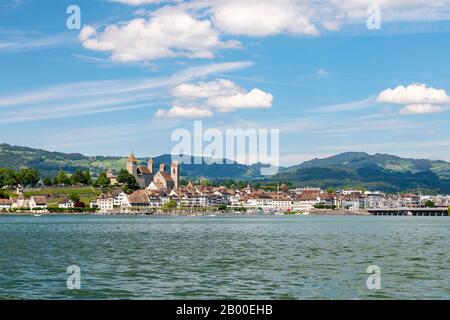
(306, 213)
(36, 215)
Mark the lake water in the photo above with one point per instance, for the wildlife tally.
(277, 257)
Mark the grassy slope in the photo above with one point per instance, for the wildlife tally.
(86, 194)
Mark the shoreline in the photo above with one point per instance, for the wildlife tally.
(189, 214)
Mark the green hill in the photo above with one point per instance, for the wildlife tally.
(380, 171)
(50, 163)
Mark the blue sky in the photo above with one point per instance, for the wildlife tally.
(139, 69)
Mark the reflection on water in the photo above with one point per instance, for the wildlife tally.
(224, 257)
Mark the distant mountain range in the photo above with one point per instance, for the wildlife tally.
(377, 172)
(380, 171)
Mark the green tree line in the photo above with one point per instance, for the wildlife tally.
(24, 177)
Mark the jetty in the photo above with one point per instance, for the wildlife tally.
(441, 211)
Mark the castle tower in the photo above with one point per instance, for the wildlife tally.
(162, 167)
(132, 164)
(175, 173)
(151, 166)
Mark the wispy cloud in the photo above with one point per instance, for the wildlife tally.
(354, 105)
(99, 96)
(25, 43)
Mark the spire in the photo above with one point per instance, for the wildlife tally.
(132, 158)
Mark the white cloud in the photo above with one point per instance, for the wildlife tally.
(194, 29)
(263, 17)
(223, 95)
(254, 99)
(209, 89)
(321, 72)
(86, 33)
(184, 112)
(414, 94)
(421, 109)
(168, 33)
(416, 98)
(140, 2)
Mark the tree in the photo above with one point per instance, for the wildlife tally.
(330, 190)
(8, 177)
(171, 204)
(28, 177)
(430, 204)
(62, 178)
(102, 180)
(4, 194)
(47, 181)
(80, 177)
(128, 180)
(222, 207)
(75, 197)
(206, 182)
(87, 177)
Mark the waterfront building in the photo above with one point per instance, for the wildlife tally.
(66, 204)
(118, 197)
(373, 199)
(262, 201)
(306, 200)
(5, 204)
(38, 202)
(105, 202)
(282, 202)
(410, 200)
(138, 200)
(20, 202)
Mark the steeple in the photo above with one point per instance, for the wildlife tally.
(151, 166)
(175, 173)
(132, 158)
(132, 164)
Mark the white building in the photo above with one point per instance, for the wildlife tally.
(5, 204)
(118, 198)
(38, 202)
(105, 203)
(262, 201)
(66, 204)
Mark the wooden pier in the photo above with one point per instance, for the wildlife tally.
(410, 211)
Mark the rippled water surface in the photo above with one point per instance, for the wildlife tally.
(224, 257)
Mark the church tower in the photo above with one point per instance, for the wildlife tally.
(151, 166)
(132, 165)
(175, 173)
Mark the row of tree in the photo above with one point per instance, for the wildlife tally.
(24, 177)
(77, 178)
(31, 177)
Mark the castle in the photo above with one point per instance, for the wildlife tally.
(148, 178)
